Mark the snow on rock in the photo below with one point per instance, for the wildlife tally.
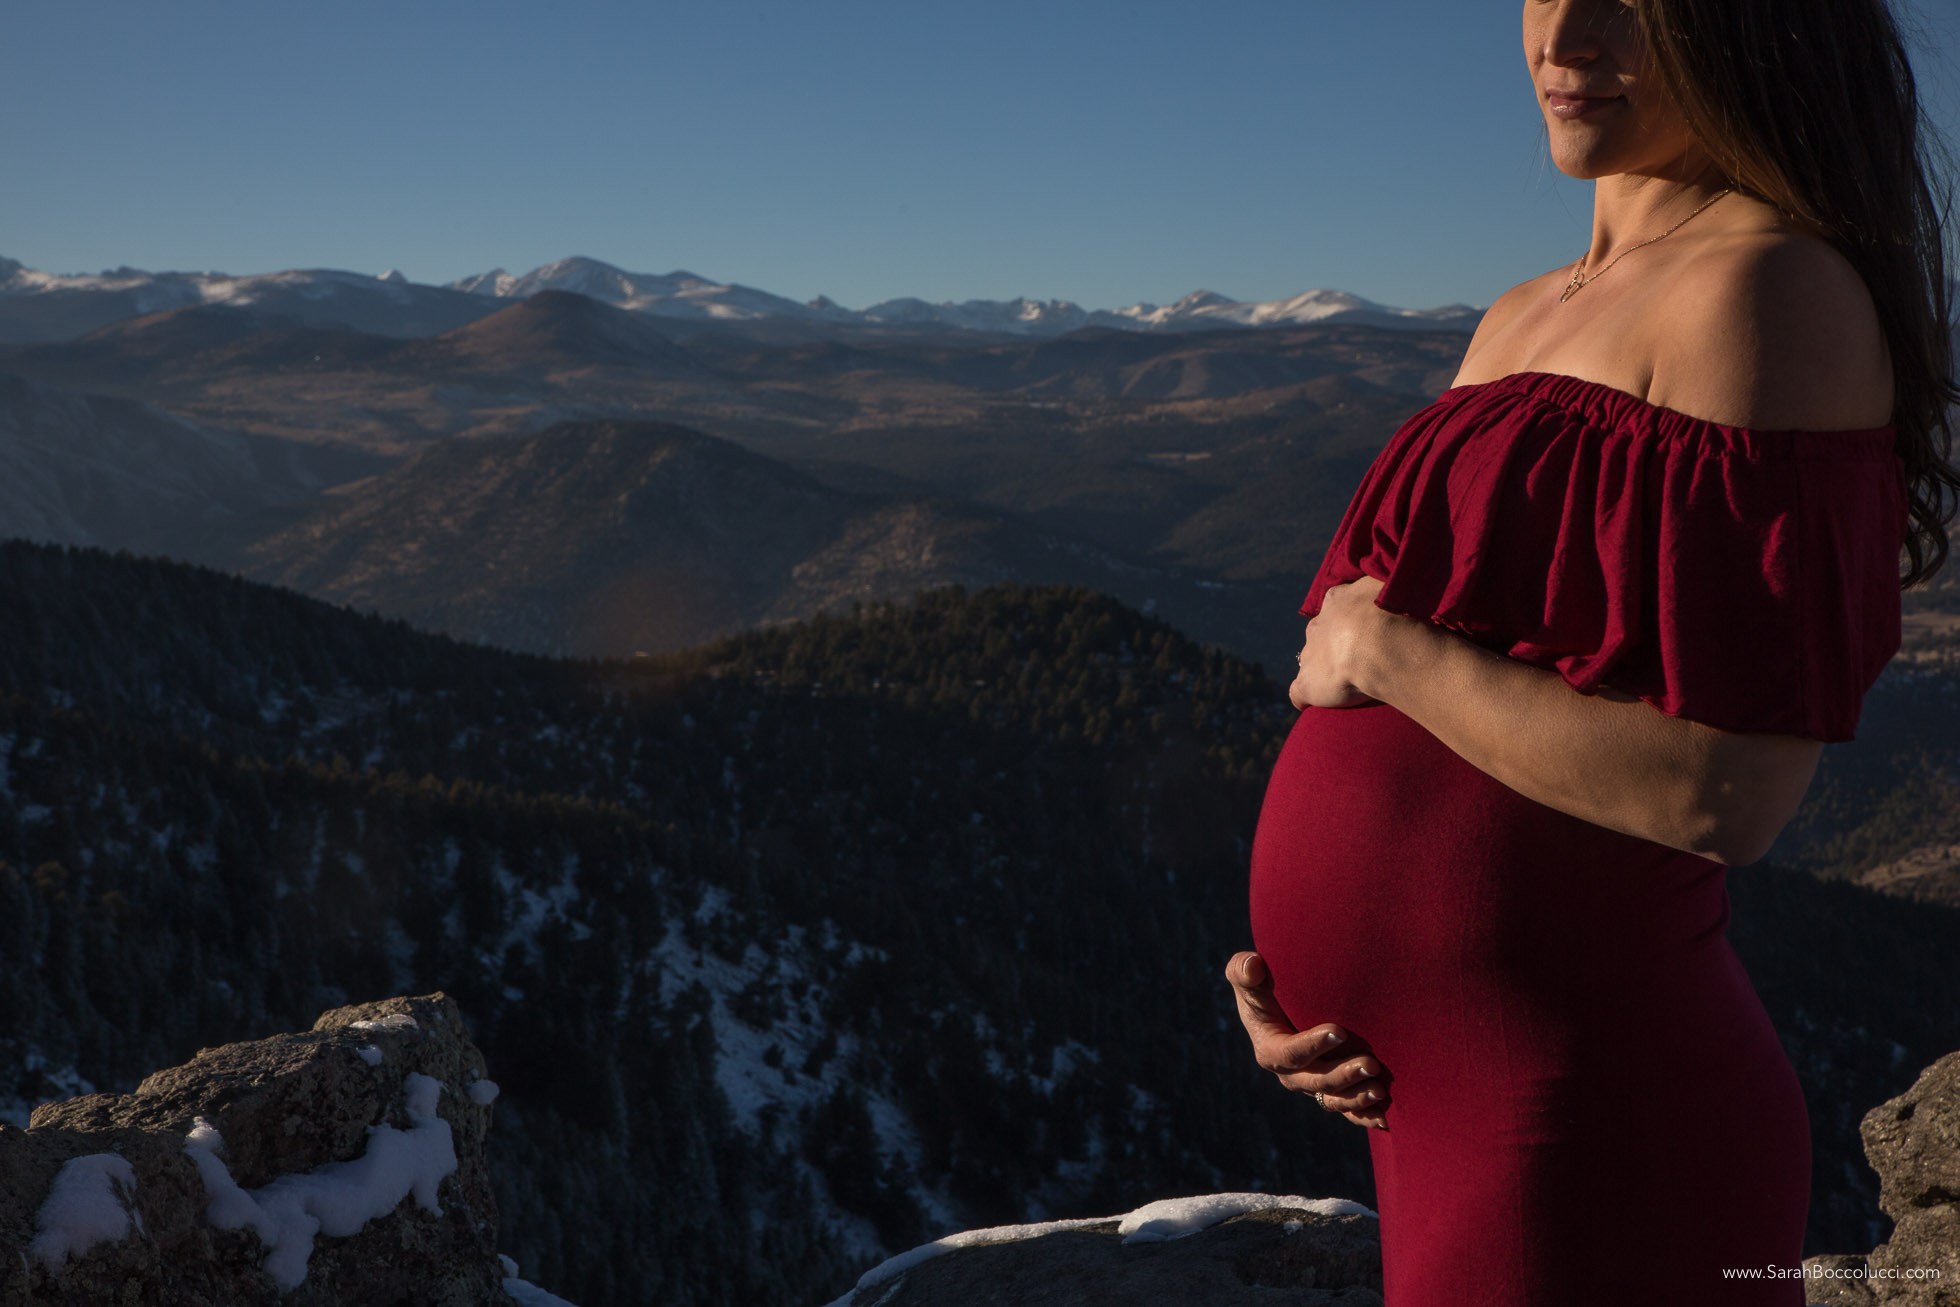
(1169, 1218)
(527, 1294)
(905, 1261)
(483, 1092)
(88, 1204)
(524, 1292)
(393, 1021)
(339, 1198)
(369, 1054)
(1173, 1218)
(271, 1138)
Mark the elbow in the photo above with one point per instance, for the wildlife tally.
(1739, 830)
(1737, 844)
(1740, 808)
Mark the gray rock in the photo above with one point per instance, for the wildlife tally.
(1320, 1261)
(1838, 1281)
(1913, 1142)
(285, 1106)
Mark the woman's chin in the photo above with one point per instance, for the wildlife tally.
(1581, 163)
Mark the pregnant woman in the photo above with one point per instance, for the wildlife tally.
(1576, 646)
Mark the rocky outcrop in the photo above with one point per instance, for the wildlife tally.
(1288, 1255)
(341, 1165)
(1913, 1142)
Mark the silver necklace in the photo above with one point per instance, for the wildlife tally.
(1579, 277)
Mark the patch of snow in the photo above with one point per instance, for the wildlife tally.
(393, 1021)
(89, 1203)
(1170, 1218)
(1063, 1059)
(337, 1199)
(401, 955)
(527, 1294)
(905, 1261)
(1142, 1104)
(897, 1138)
(758, 1092)
(370, 1055)
(1174, 1218)
(530, 909)
(484, 1092)
(1071, 1176)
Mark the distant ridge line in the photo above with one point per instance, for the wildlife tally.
(393, 305)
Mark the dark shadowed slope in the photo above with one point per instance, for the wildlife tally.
(587, 537)
(115, 472)
(618, 537)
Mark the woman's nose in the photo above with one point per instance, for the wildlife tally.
(1569, 32)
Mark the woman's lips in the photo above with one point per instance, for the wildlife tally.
(1578, 106)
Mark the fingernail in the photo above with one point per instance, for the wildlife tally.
(1335, 1038)
(1371, 1097)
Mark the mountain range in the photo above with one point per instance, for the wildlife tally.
(1189, 473)
(41, 306)
(1194, 474)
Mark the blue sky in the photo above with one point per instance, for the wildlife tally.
(1105, 151)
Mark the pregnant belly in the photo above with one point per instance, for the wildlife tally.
(1461, 930)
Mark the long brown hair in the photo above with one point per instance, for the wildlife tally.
(1811, 106)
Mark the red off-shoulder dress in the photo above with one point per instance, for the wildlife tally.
(1588, 1105)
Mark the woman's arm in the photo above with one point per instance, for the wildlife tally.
(1606, 758)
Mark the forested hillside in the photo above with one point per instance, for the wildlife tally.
(776, 973)
(787, 952)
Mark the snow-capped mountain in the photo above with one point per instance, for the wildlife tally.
(1205, 308)
(1021, 317)
(41, 306)
(678, 294)
(683, 294)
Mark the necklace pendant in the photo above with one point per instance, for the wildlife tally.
(1579, 277)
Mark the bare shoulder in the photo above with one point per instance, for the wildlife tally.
(1772, 330)
(1503, 313)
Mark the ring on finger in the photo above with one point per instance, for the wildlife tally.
(1320, 1099)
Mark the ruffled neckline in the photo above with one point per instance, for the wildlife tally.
(1745, 579)
(1612, 409)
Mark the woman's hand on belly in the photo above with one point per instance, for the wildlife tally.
(1306, 1061)
(1334, 640)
